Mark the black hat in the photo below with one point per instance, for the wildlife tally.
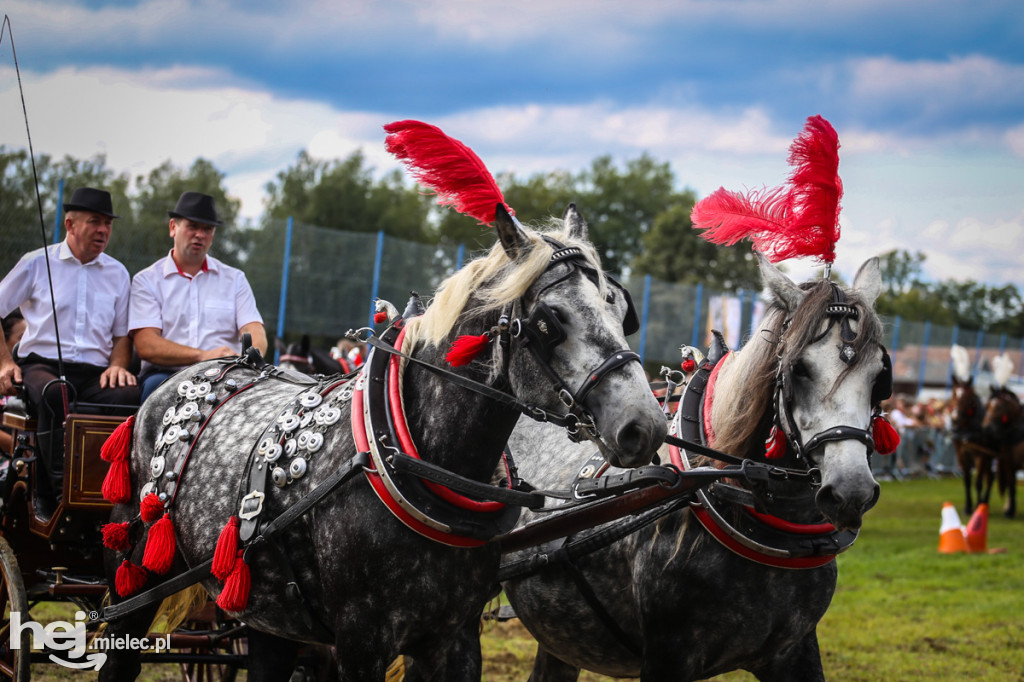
(89, 199)
(196, 207)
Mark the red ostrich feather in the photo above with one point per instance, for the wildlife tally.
(796, 220)
(446, 165)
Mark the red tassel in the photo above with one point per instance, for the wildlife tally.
(465, 349)
(235, 595)
(775, 444)
(380, 316)
(224, 555)
(160, 546)
(129, 578)
(115, 536)
(117, 484)
(689, 364)
(151, 508)
(119, 443)
(447, 166)
(885, 435)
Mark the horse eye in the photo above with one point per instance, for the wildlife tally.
(800, 370)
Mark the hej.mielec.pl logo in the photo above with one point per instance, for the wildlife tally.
(69, 639)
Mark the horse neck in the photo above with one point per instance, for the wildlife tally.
(454, 427)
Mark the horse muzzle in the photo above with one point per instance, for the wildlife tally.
(848, 490)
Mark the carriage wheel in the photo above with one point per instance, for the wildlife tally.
(14, 663)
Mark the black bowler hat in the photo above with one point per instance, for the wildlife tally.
(196, 207)
(89, 199)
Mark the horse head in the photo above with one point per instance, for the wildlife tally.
(1003, 414)
(820, 348)
(296, 355)
(562, 324)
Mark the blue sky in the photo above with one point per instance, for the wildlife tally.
(927, 97)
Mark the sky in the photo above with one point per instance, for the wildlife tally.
(927, 97)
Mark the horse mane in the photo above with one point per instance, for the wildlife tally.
(489, 283)
(742, 408)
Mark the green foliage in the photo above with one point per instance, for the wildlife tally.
(342, 195)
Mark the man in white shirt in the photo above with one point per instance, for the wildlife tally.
(188, 306)
(91, 294)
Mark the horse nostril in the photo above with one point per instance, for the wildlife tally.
(637, 438)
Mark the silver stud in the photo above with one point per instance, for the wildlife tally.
(310, 399)
(289, 447)
(297, 468)
(170, 475)
(290, 423)
(315, 442)
(264, 445)
(279, 476)
(212, 372)
(184, 387)
(169, 415)
(147, 489)
(211, 399)
(273, 453)
(156, 465)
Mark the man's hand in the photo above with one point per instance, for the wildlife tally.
(221, 352)
(10, 374)
(115, 377)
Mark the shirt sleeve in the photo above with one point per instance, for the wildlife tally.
(121, 305)
(144, 308)
(245, 302)
(16, 287)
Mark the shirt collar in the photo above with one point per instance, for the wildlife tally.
(64, 253)
(171, 267)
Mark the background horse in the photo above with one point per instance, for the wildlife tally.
(671, 602)
(352, 572)
(972, 444)
(1003, 424)
(302, 357)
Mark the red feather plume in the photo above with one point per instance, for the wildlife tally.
(446, 165)
(796, 220)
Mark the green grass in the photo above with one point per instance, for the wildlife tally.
(901, 611)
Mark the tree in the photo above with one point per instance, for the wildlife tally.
(674, 252)
(342, 195)
(900, 270)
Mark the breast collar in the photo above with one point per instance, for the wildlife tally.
(735, 516)
(379, 427)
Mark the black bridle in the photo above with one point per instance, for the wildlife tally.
(842, 312)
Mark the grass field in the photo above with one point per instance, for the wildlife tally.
(902, 611)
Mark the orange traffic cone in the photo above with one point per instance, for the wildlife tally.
(951, 533)
(977, 529)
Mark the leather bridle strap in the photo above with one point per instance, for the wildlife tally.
(506, 399)
(835, 433)
(617, 360)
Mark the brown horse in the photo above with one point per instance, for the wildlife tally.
(1003, 424)
(973, 446)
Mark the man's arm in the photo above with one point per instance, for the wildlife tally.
(258, 334)
(118, 373)
(153, 347)
(10, 373)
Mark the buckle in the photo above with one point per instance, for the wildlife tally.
(252, 505)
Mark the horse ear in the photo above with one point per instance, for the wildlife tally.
(575, 224)
(304, 344)
(511, 236)
(868, 280)
(788, 294)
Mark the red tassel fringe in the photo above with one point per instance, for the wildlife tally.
(235, 595)
(885, 435)
(775, 444)
(225, 555)
(160, 546)
(117, 484)
(151, 508)
(129, 578)
(118, 445)
(447, 166)
(689, 365)
(380, 317)
(465, 349)
(115, 536)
